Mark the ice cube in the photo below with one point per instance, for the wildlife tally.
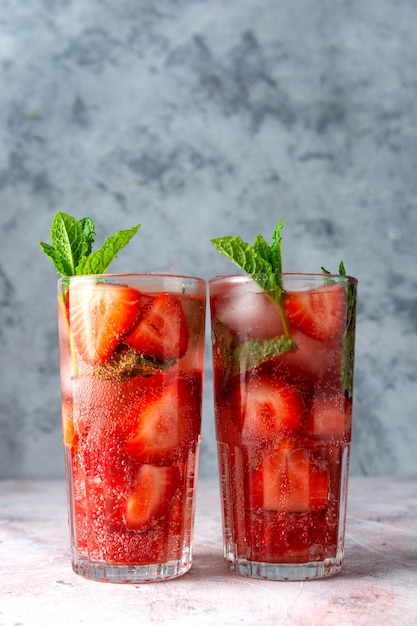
(246, 309)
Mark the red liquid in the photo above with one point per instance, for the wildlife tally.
(283, 427)
(131, 440)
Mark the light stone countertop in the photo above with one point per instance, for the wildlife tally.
(376, 586)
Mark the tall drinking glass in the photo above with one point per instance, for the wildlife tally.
(131, 357)
(283, 384)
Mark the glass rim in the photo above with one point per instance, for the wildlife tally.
(132, 276)
(314, 276)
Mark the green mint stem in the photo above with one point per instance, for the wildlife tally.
(273, 286)
(284, 321)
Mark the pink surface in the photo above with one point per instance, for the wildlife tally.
(376, 586)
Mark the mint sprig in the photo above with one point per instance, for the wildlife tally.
(71, 246)
(260, 258)
(262, 261)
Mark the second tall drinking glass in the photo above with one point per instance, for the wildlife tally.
(283, 383)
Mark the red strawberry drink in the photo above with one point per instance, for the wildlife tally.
(283, 370)
(131, 350)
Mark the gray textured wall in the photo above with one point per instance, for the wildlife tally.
(200, 118)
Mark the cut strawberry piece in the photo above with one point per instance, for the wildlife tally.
(162, 331)
(288, 481)
(270, 409)
(329, 418)
(314, 359)
(319, 489)
(168, 424)
(149, 501)
(281, 483)
(100, 316)
(319, 313)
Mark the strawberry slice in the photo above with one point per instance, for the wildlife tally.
(168, 423)
(320, 312)
(288, 481)
(162, 330)
(329, 418)
(149, 502)
(100, 316)
(270, 409)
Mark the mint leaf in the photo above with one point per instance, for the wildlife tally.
(242, 254)
(250, 353)
(342, 270)
(261, 248)
(88, 228)
(256, 351)
(275, 247)
(97, 262)
(53, 255)
(72, 241)
(68, 243)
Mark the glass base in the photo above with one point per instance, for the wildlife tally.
(153, 572)
(286, 571)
